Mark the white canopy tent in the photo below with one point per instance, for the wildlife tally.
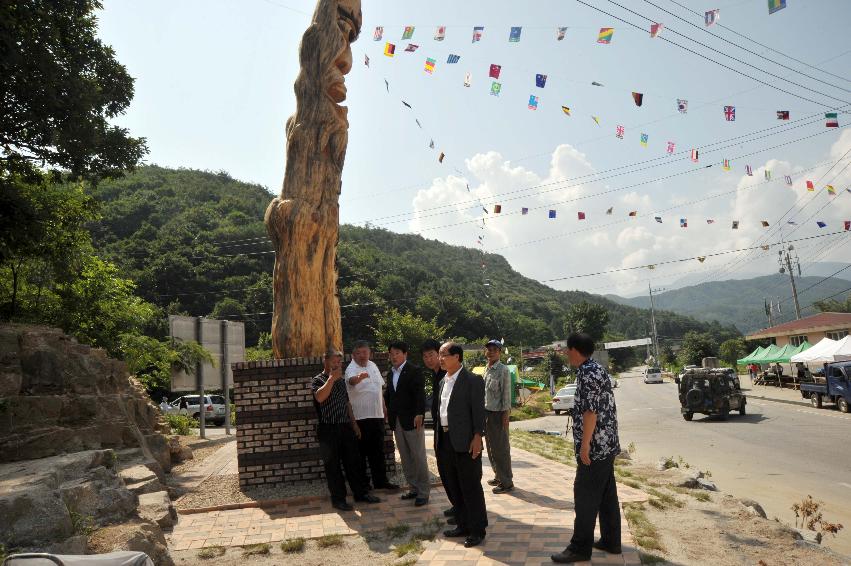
(842, 351)
(819, 353)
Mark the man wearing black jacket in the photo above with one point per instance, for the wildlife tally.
(431, 360)
(459, 441)
(405, 401)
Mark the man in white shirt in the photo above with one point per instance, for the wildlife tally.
(364, 384)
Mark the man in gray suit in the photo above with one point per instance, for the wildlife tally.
(459, 444)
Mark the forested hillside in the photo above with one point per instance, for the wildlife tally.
(194, 242)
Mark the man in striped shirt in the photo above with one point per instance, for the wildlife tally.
(338, 433)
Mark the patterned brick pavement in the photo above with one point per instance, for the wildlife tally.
(526, 526)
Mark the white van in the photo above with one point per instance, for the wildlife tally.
(652, 375)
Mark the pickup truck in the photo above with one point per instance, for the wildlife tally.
(836, 388)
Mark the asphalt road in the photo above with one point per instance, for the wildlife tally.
(777, 454)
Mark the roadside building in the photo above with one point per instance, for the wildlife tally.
(833, 325)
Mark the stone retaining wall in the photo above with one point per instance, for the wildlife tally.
(276, 421)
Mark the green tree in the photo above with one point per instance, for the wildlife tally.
(831, 305)
(668, 356)
(393, 325)
(586, 317)
(731, 350)
(152, 361)
(696, 346)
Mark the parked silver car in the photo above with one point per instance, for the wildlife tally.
(214, 405)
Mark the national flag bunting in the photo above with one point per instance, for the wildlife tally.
(378, 34)
(494, 71)
(596, 119)
(560, 32)
(605, 35)
(711, 17)
(411, 48)
(497, 208)
(682, 105)
(730, 113)
(580, 215)
(767, 175)
(478, 31)
(638, 98)
(408, 105)
(514, 36)
(694, 155)
(749, 170)
(701, 258)
(524, 211)
(671, 147)
(609, 210)
(821, 224)
(764, 223)
(440, 33)
(633, 213)
(540, 80)
(431, 144)
(788, 180)
(735, 224)
(832, 121)
(533, 102)
(495, 88)
(452, 59)
(408, 33)
(710, 221)
(775, 6)
(566, 110)
(782, 114)
(830, 190)
(551, 214)
(468, 79)
(595, 83)
(658, 219)
(726, 165)
(643, 140)
(429, 65)
(810, 186)
(683, 223)
(847, 224)
(440, 159)
(619, 132)
(366, 59)
(655, 29)
(389, 49)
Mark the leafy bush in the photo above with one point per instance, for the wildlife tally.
(181, 424)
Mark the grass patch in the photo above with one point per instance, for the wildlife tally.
(538, 405)
(666, 499)
(329, 541)
(551, 447)
(211, 552)
(410, 561)
(647, 558)
(643, 530)
(260, 549)
(701, 496)
(293, 545)
(633, 484)
(395, 531)
(429, 529)
(413, 546)
(698, 494)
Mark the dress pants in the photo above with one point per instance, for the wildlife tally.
(338, 445)
(371, 446)
(499, 449)
(464, 486)
(412, 452)
(441, 463)
(594, 491)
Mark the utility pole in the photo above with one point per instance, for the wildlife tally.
(653, 324)
(785, 259)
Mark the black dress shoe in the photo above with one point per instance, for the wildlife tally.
(473, 540)
(420, 501)
(342, 506)
(600, 545)
(368, 498)
(494, 481)
(503, 488)
(569, 557)
(451, 521)
(409, 495)
(449, 512)
(456, 532)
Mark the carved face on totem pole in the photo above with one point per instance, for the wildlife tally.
(349, 24)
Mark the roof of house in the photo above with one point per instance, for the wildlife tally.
(825, 321)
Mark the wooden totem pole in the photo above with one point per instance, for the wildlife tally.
(304, 221)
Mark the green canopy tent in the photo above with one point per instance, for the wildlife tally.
(784, 354)
(750, 357)
(767, 355)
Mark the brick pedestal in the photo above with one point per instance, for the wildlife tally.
(276, 421)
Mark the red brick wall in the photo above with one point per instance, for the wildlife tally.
(276, 421)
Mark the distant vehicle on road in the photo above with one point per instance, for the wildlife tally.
(214, 404)
(563, 400)
(836, 388)
(710, 392)
(614, 381)
(652, 375)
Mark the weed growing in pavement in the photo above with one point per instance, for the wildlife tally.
(395, 531)
(260, 549)
(211, 552)
(643, 530)
(670, 463)
(550, 447)
(429, 529)
(666, 499)
(631, 448)
(328, 541)
(701, 496)
(811, 516)
(293, 545)
(409, 561)
(413, 546)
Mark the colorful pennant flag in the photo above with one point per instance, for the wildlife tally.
(389, 49)
(478, 31)
(788, 180)
(749, 170)
(540, 80)
(497, 208)
(378, 34)
(452, 59)
(440, 33)
(566, 110)
(694, 155)
(524, 211)
(643, 140)
(658, 219)
(735, 224)
(638, 98)
(431, 146)
(765, 247)
(440, 159)
(710, 221)
(730, 113)
(764, 223)
(560, 32)
(366, 59)
(847, 224)
(767, 175)
(605, 35)
(830, 190)
(651, 267)
(580, 215)
(671, 147)
(701, 258)
(619, 131)
(609, 210)
(633, 213)
(782, 114)
(408, 33)
(514, 36)
(775, 6)
(810, 186)
(494, 71)
(552, 214)
(682, 105)
(655, 29)
(411, 48)
(821, 224)
(468, 79)
(683, 223)
(533, 102)
(429, 65)
(726, 165)
(596, 120)
(495, 88)
(711, 17)
(832, 121)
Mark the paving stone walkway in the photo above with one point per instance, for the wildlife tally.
(526, 525)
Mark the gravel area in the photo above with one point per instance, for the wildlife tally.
(225, 490)
(201, 448)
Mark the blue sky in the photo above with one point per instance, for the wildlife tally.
(214, 88)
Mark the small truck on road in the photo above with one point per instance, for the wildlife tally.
(836, 388)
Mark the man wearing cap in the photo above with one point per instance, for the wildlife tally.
(498, 408)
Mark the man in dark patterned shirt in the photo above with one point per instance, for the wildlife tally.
(595, 440)
(338, 433)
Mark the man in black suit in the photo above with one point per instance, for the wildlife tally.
(459, 430)
(431, 360)
(405, 401)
